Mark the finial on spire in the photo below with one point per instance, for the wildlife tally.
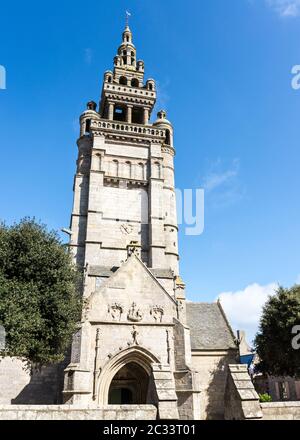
(128, 14)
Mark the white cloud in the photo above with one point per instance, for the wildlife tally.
(285, 8)
(244, 307)
(222, 184)
(217, 177)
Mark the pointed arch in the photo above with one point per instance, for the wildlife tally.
(135, 354)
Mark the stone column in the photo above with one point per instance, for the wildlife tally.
(96, 363)
(129, 114)
(111, 108)
(146, 116)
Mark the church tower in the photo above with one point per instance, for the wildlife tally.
(133, 344)
(124, 186)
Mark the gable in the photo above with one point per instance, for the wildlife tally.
(131, 289)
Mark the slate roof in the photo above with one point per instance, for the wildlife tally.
(103, 271)
(209, 327)
(162, 273)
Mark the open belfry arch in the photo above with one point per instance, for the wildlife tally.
(134, 344)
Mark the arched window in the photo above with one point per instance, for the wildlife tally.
(114, 171)
(109, 79)
(123, 81)
(168, 137)
(132, 58)
(137, 115)
(150, 86)
(140, 172)
(99, 162)
(127, 169)
(134, 82)
(120, 113)
(124, 57)
(156, 170)
(87, 126)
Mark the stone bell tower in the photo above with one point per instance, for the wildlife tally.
(124, 185)
(133, 345)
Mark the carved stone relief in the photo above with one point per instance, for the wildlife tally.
(134, 313)
(126, 229)
(157, 313)
(115, 311)
(135, 335)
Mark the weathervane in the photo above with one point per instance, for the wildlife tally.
(128, 14)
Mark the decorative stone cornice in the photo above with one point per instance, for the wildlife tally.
(105, 126)
(118, 89)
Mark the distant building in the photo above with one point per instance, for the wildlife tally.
(245, 351)
(279, 388)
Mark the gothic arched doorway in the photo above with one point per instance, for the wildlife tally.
(129, 386)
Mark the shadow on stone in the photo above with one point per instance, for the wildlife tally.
(45, 386)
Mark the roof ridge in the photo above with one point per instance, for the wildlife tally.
(226, 320)
(202, 302)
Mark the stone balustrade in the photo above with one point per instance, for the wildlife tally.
(126, 128)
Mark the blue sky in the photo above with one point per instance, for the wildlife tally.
(224, 76)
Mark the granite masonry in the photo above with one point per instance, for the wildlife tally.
(141, 350)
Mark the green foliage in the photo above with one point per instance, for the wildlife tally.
(265, 398)
(40, 302)
(274, 339)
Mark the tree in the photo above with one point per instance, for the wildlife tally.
(40, 301)
(274, 339)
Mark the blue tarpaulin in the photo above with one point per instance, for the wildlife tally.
(247, 359)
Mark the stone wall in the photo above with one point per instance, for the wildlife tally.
(212, 370)
(19, 385)
(69, 412)
(242, 401)
(281, 410)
